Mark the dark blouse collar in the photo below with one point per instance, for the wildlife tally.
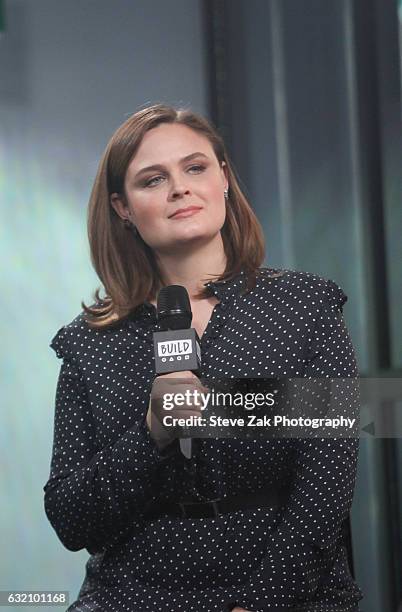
(224, 290)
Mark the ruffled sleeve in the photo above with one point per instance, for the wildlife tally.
(94, 496)
(335, 295)
(60, 344)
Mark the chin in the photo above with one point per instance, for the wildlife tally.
(188, 238)
(192, 238)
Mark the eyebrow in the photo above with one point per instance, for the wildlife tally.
(161, 167)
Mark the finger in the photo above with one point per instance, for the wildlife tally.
(177, 375)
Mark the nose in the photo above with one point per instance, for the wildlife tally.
(178, 188)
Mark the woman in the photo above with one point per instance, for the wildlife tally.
(166, 209)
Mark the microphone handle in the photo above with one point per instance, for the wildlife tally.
(186, 447)
(186, 444)
(193, 364)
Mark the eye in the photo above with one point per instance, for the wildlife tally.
(197, 167)
(150, 182)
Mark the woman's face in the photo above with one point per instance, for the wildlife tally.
(185, 172)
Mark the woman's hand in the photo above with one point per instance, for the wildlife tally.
(237, 609)
(171, 383)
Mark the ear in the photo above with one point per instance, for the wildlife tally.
(225, 178)
(118, 202)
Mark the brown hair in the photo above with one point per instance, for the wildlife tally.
(125, 264)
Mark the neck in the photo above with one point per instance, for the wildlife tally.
(195, 268)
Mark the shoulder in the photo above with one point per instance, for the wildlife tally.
(300, 288)
(77, 337)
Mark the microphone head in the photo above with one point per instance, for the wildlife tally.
(174, 308)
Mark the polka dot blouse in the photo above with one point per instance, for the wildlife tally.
(106, 469)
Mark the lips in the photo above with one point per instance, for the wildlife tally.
(185, 211)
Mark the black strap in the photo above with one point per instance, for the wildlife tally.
(268, 498)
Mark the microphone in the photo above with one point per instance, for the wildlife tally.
(177, 346)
